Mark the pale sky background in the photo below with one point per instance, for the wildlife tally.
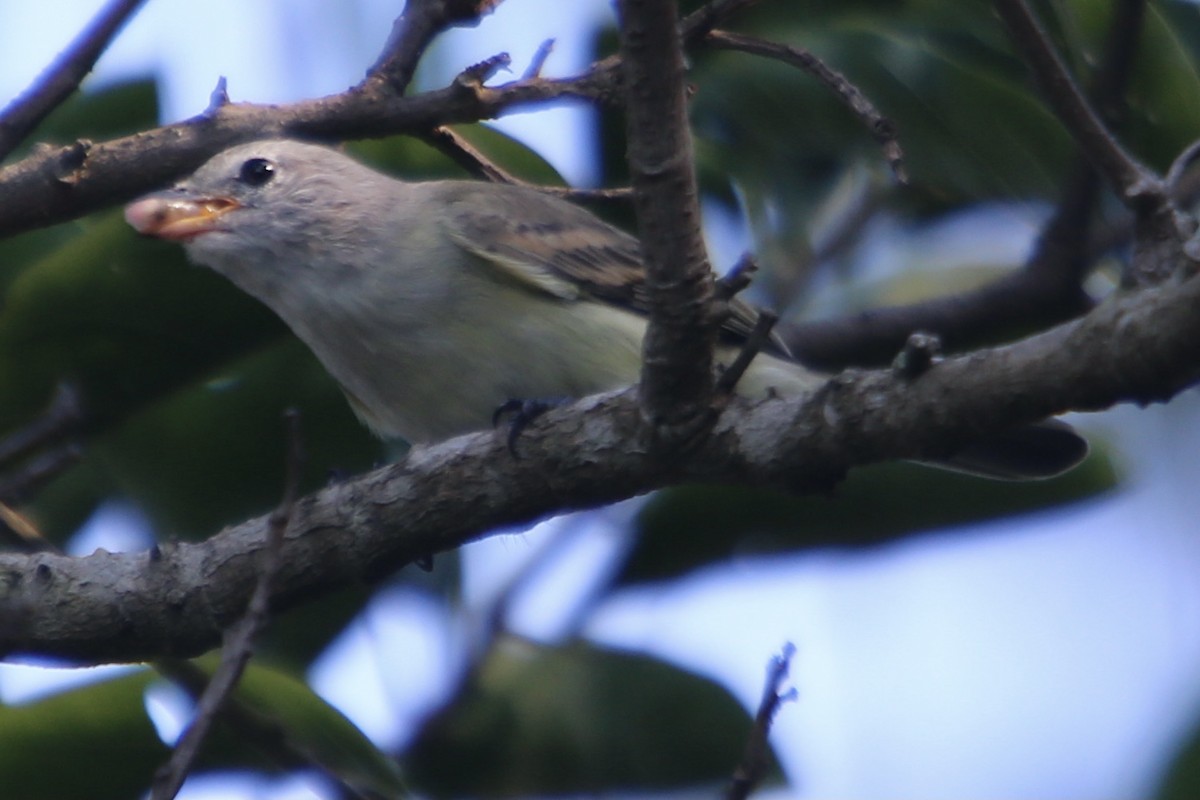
(921, 672)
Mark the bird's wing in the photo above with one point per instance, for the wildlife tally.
(555, 247)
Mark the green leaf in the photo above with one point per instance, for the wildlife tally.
(94, 742)
(577, 719)
(213, 453)
(308, 724)
(122, 318)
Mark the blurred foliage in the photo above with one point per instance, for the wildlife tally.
(1182, 778)
(685, 528)
(102, 730)
(184, 379)
(534, 720)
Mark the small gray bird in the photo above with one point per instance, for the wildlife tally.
(432, 304)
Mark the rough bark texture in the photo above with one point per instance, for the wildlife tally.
(1137, 347)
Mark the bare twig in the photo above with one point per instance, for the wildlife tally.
(1180, 165)
(467, 156)
(1134, 183)
(759, 336)
(882, 128)
(259, 729)
(920, 352)
(619, 195)
(239, 639)
(738, 278)
(697, 24)
(1160, 229)
(21, 484)
(60, 419)
(48, 438)
(539, 60)
(1116, 64)
(412, 32)
(756, 759)
(63, 77)
(1047, 290)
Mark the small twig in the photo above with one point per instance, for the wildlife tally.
(619, 195)
(44, 436)
(20, 485)
(1116, 64)
(59, 420)
(414, 29)
(239, 639)
(476, 75)
(1180, 165)
(260, 729)
(758, 338)
(467, 156)
(920, 352)
(539, 60)
(737, 279)
(1134, 183)
(63, 76)
(219, 97)
(882, 128)
(697, 24)
(756, 757)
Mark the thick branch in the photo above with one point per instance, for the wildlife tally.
(57, 185)
(677, 380)
(414, 29)
(1139, 346)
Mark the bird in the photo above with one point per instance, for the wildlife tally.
(434, 303)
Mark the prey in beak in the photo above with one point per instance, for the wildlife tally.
(177, 218)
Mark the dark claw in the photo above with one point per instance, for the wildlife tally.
(523, 412)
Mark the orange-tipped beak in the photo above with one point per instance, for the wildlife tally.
(176, 218)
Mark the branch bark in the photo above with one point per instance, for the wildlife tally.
(1137, 347)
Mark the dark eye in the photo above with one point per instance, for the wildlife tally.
(256, 172)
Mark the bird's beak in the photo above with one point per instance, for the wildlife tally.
(176, 217)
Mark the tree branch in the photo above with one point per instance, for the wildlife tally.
(756, 759)
(1047, 289)
(240, 638)
(1137, 347)
(882, 128)
(1134, 183)
(63, 77)
(58, 184)
(677, 376)
(412, 32)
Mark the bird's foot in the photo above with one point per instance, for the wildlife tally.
(521, 413)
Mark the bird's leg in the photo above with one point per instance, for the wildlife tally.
(522, 412)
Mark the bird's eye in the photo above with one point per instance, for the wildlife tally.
(256, 172)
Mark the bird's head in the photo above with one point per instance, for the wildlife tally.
(267, 195)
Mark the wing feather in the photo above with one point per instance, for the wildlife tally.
(557, 248)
